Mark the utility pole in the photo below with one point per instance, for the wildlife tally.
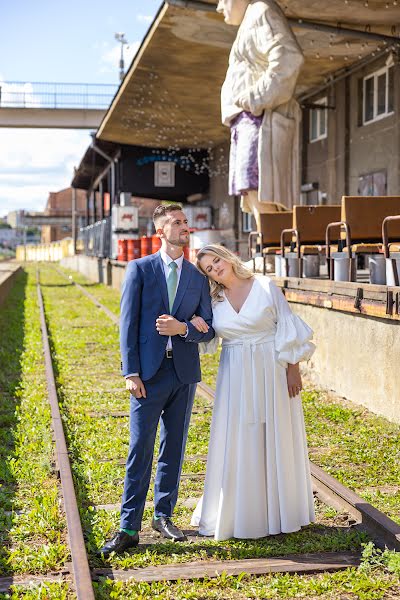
(121, 38)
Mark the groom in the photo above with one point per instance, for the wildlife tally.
(160, 361)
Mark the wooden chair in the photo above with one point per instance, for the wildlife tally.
(268, 239)
(309, 229)
(361, 224)
(389, 248)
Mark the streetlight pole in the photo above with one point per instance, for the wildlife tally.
(121, 38)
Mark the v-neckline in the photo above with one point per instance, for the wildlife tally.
(245, 300)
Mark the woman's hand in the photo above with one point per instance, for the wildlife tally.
(200, 324)
(294, 380)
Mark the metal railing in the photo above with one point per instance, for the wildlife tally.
(17, 94)
(95, 239)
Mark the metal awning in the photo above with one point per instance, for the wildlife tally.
(171, 94)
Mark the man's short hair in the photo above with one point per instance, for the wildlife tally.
(163, 210)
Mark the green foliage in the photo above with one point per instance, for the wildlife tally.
(375, 559)
(44, 591)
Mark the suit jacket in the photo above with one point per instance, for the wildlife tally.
(144, 299)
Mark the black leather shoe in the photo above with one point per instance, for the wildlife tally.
(119, 543)
(165, 526)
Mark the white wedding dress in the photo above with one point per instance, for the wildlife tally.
(258, 478)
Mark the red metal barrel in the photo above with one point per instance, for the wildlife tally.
(136, 249)
(123, 250)
(145, 246)
(131, 249)
(155, 243)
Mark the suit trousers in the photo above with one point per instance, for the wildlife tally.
(170, 402)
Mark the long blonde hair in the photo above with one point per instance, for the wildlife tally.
(238, 267)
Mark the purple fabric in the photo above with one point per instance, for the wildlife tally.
(243, 159)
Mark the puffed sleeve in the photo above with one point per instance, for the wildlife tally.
(293, 336)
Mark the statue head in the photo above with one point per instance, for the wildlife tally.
(233, 10)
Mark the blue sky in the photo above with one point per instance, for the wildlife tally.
(70, 42)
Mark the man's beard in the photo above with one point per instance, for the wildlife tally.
(179, 241)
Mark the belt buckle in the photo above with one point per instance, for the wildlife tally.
(168, 353)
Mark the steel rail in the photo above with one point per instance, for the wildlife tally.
(331, 492)
(108, 312)
(80, 564)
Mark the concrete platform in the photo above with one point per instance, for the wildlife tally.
(8, 272)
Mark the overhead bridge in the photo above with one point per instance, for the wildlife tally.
(54, 105)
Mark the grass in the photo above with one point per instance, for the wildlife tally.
(349, 442)
(357, 447)
(34, 540)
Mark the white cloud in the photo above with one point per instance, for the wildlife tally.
(144, 18)
(34, 162)
(18, 94)
(109, 60)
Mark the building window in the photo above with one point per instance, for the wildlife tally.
(319, 121)
(378, 95)
(247, 222)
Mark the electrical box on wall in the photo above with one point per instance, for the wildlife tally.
(124, 218)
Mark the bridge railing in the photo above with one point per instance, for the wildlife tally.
(17, 94)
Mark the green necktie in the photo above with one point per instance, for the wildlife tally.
(172, 281)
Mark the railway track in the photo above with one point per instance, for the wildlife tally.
(378, 526)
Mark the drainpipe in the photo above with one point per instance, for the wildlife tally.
(343, 74)
(112, 165)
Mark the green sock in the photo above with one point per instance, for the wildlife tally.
(129, 531)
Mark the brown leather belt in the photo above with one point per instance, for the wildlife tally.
(168, 353)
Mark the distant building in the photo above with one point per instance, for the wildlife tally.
(15, 219)
(10, 238)
(59, 204)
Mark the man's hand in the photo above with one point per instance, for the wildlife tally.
(294, 380)
(167, 325)
(135, 386)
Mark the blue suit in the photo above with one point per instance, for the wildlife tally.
(170, 383)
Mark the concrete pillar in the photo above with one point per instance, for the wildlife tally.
(73, 225)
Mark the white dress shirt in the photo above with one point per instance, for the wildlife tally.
(166, 259)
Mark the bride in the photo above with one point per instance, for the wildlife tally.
(258, 479)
